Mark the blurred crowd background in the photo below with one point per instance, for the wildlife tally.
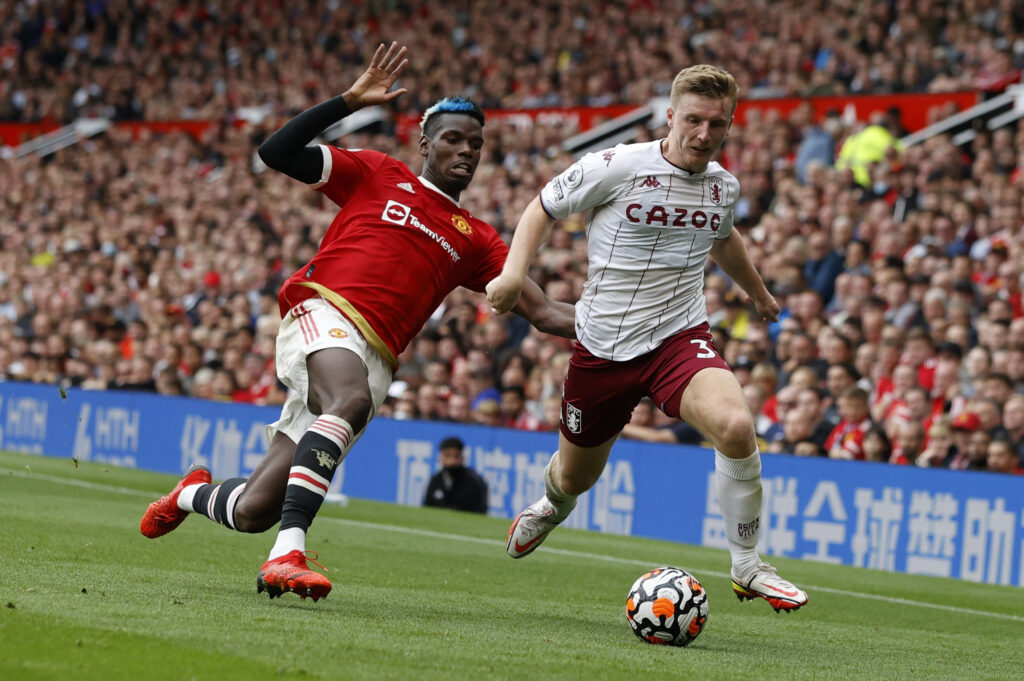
(152, 261)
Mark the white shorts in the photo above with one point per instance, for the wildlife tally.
(312, 325)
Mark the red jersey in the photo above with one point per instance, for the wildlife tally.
(848, 437)
(926, 373)
(394, 251)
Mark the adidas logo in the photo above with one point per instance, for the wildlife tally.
(407, 187)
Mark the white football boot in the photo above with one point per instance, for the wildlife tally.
(764, 583)
(532, 526)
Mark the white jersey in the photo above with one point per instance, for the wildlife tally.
(650, 226)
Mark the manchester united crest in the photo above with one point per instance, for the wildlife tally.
(325, 459)
(462, 224)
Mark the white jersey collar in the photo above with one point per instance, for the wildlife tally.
(430, 185)
(674, 167)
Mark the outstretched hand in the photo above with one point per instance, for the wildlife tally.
(374, 85)
(503, 293)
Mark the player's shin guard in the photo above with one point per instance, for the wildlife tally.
(563, 503)
(216, 502)
(317, 456)
(532, 526)
(738, 484)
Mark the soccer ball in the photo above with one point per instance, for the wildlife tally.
(667, 606)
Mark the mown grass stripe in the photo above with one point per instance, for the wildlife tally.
(569, 553)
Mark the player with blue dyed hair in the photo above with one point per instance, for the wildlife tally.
(459, 105)
(399, 245)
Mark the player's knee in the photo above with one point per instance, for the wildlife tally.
(354, 408)
(735, 431)
(253, 517)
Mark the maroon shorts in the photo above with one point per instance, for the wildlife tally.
(599, 394)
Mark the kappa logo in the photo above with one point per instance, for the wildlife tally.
(651, 182)
(573, 419)
(407, 186)
(325, 460)
(717, 191)
(462, 224)
(338, 333)
(396, 212)
(608, 156)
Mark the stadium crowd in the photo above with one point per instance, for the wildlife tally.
(151, 262)
(137, 59)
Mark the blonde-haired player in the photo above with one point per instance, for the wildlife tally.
(654, 212)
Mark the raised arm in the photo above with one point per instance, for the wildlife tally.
(731, 255)
(287, 151)
(533, 228)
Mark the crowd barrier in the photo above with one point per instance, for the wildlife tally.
(914, 110)
(960, 524)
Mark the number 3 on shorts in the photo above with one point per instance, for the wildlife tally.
(705, 351)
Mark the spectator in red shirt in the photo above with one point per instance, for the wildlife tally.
(893, 403)
(909, 440)
(919, 353)
(514, 412)
(846, 439)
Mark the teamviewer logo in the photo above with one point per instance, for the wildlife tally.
(396, 212)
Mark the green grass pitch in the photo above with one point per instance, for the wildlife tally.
(430, 594)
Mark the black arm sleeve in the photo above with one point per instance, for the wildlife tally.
(286, 149)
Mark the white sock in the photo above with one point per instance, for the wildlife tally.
(738, 483)
(292, 539)
(186, 496)
(563, 503)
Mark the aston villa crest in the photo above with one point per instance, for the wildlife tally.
(717, 190)
(573, 418)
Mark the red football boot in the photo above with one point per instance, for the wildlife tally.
(163, 515)
(291, 573)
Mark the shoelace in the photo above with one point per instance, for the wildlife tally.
(312, 557)
(534, 520)
(768, 574)
(167, 516)
(772, 578)
(762, 568)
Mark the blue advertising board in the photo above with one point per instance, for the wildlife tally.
(961, 524)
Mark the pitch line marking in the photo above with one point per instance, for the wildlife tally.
(14, 472)
(646, 564)
(496, 542)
